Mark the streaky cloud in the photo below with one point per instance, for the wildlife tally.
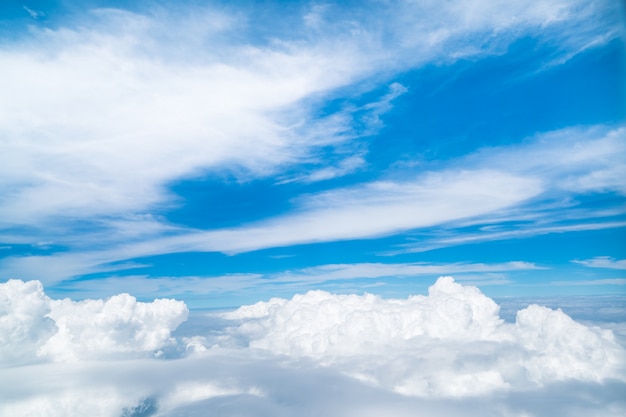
(603, 262)
(295, 280)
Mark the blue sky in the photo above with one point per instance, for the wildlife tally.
(223, 154)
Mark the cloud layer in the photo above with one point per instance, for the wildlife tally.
(107, 115)
(36, 328)
(449, 343)
(98, 357)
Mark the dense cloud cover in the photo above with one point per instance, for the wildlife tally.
(34, 328)
(348, 355)
(449, 343)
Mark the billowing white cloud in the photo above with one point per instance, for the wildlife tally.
(118, 325)
(317, 353)
(24, 325)
(35, 328)
(449, 343)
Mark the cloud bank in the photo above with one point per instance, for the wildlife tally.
(449, 343)
(36, 328)
(398, 356)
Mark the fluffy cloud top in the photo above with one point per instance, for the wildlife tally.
(275, 357)
(24, 324)
(34, 327)
(449, 343)
(319, 323)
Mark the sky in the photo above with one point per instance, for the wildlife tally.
(224, 154)
(354, 208)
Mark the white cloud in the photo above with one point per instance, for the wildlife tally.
(99, 115)
(377, 270)
(582, 159)
(450, 343)
(571, 163)
(118, 325)
(24, 325)
(603, 262)
(521, 232)
(101, 127)
(492, 189)
(367, 211)
(37, 328)
(345, 166)
(317, 353)
(292, 281)
(606, 281)
(494, 180)
(33, 13)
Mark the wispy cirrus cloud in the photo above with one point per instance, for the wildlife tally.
(603, 262)
(103, 112)
(572, 164)
(493, 197)
(103, 126)
(291, 281)
(607, 281)
(367, 211)
(593, 161)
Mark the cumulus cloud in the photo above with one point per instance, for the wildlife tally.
(24, 323)
(118, 325)
(449, 343)
(36, 328)
(295, 356)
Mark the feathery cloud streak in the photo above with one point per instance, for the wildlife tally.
(510, 176)
(99, 116)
